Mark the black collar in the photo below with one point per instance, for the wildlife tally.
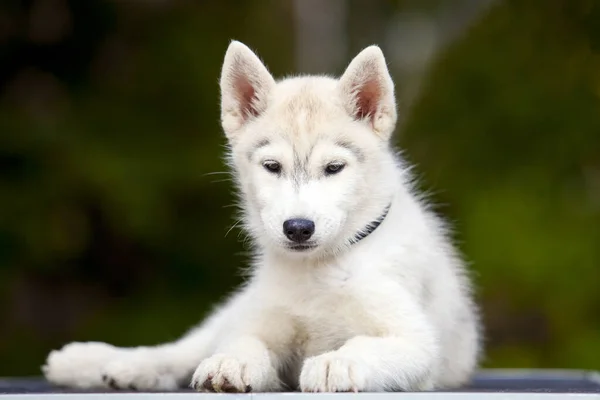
(371, 226)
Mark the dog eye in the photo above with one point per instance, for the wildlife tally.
(334, 168)
(272, 166)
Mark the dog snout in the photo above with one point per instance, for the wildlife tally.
(298, 230)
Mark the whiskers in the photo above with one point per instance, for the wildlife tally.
(232, 227)
(243, 234)
(228, 176)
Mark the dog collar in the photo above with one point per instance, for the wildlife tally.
(371, 226)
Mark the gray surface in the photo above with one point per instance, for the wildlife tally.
(304, 396)
(494, 384)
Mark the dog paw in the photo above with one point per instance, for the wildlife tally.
(95, 365)
(79, 365)
(222, 373)
(137, 372)
(332, 372)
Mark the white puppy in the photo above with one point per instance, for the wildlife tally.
(355, 284)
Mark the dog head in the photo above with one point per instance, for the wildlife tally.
(311, 153)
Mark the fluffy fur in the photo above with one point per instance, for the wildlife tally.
(393, 311)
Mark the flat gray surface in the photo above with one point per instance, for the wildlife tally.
(304, 396)
(492, 384)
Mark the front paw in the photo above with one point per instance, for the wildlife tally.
(138, 372)
(95, 365)
(79, 365)
(332, 372)
(223, 373)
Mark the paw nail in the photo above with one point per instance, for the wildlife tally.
(208, 385)
(228, 388)
(112, 383)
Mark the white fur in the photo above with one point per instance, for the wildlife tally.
(390, 312)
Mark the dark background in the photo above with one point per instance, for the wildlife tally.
(113, 229)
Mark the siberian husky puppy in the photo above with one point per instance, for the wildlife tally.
(355, 284)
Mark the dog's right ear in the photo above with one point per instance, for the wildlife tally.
(245, 86)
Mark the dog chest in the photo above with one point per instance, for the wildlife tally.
(325, 321)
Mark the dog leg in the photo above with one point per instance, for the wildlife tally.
(95, 365)
(407, 358)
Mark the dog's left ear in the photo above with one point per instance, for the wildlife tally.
(245, 86)
(367, 91)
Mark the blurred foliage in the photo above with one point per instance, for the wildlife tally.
(112, 225)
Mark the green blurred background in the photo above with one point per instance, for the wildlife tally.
(113, 229)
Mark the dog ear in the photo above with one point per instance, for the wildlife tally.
(245, 84)
(367, 91)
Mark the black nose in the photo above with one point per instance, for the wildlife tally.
(298, 230)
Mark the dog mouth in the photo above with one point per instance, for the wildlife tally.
(301, 247)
